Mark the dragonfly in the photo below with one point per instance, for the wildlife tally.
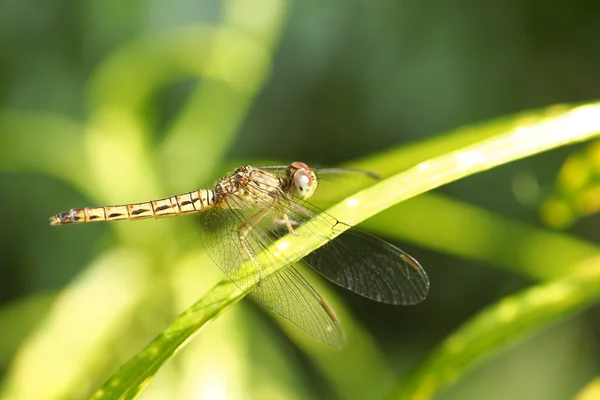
(253, 207)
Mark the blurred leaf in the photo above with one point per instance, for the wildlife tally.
(590, 392)
(553, 117)
(59, 359)
(239, 356)
(471, 232)
(42, 143)
(534, 365)
(501, 324)
(123, 87)
(577, 192)
(234, 62)
(22, 316)
(136, 373)
(238, 67)
(239, 63)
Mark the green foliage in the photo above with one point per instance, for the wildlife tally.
(98, 333)
(510, 319)
(577, 189)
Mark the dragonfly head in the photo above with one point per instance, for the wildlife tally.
(303, 181)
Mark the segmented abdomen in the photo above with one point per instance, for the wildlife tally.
(187, 203)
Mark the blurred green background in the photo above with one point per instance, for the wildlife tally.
(113, 102)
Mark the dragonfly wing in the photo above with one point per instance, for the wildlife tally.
(221, 228)
(286, 292)
(357, 260)
(371, 267)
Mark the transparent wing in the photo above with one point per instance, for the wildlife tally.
(288, 294)
(232, 235)
(355, 259)
(371, 267)
(341, 182)
(222, 236)
(279, 170)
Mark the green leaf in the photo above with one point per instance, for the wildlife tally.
(57, 355)
(551, 118)
(134, 375)
(577, 191)
(590, 392)
(21, 316)
(473, 233)
(502, 323)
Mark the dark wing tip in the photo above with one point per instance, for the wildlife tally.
(419, 279)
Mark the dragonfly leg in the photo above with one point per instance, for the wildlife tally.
(289, 224)
(243, 231)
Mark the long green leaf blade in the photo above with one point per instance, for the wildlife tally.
(502, 323)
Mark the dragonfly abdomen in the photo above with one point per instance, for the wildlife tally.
(187, 203)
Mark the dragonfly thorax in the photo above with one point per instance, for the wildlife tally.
(251, 187)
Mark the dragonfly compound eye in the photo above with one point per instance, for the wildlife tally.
(305, 183)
